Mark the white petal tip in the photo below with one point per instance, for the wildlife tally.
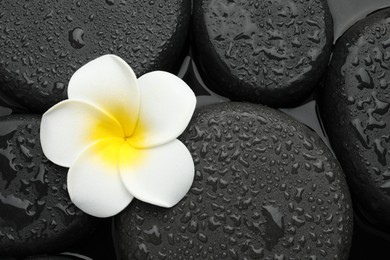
(98, 210)
(95, 186)
(165, 176)
(162, 204)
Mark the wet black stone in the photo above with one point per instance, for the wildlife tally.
(9, 106)
(355, 110)
(256, 194)
(44, 42)
(36, 214)
(269, 52)
(53, 258)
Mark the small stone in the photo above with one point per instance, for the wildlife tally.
(268, 52)
(359, 131)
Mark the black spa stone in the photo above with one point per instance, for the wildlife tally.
(65, 256)
(355, 110)
(53, 258)
(36, 214)
(266, 187)
(44, 42)
(269, 52)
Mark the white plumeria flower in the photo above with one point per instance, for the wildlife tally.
(117, 134)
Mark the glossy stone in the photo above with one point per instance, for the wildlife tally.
(44, 42)
(347, 12)
(269, 52)
(355, 109)
(265, 187)
(52, 258)
(36, 214)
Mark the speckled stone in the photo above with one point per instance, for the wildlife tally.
(36, 214)
(44, 42)
(355, 110)
(265, 187)
(268, 52)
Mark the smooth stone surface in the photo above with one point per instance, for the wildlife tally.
(63, 256)
(44, 42)
(5, 111)
(36, 214)
(265, 187)
(51, 258)
(355, 109)
(269, 52)
(347, 12)
(9, 106)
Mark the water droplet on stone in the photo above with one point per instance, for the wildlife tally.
(76, 38)
(153, 235)
(110, 2)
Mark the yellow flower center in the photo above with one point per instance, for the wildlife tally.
(116, 142)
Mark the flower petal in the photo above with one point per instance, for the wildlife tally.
(167, 105)
(70, 126)
(94, 183)
(109, 83)
(162, 176)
